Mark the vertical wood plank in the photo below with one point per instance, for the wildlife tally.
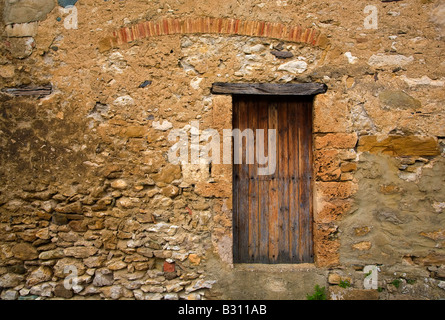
(305, 149)
(236, 185)
(252, 107)
(283, 183)
(273, 194)
(293, 116)
(263, 119)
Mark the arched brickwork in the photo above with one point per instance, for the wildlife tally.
(207, 25)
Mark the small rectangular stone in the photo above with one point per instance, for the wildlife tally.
(400, 145)
(22, 29)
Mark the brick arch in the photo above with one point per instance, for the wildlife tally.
(220, 26)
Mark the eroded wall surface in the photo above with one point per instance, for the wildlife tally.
(91, 207)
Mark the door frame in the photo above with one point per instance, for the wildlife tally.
(276, 89)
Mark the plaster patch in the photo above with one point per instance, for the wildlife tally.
(382, 60)
(351, 58)
(163, 127)
(296, 66)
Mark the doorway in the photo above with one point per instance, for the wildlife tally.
(272, 213)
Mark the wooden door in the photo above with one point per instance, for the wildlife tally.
(272, 214)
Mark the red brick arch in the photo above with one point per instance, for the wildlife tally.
(222, 26)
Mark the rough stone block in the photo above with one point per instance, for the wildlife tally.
(382, 60)
(169, 267)
(398, 100)
(194, 259)
(330, 114)
(219, 190)
(348, 167)
(20, 48)
(326, 246)
(134, 132)
(336, 190)
(331, 211)
(41, 274)
(7, 71)
(167, 174)
(10, 280)
(222, 106)
(22, 11)
(400, 145)
(362, 246)
(25, 251)
(327, 165)
(334, 278)
(62, 292)
(431, 259)
(335, 141)
(22, 29)
(80, 252)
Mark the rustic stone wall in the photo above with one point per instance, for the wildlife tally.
(88, 189)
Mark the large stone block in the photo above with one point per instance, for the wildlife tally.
(335, 141)
(21, 47)
(398, 100)
(326, 245)
(382, 60)
(21, 11)
(167, 174)
(80, 252)
(41, 274)
(330, 114)
(10, 280)
(400, 145)
(25, 251)
(22, 29)
(335, 190)
(220, 189)
(331, 211)
(327, 165)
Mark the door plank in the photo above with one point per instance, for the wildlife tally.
(305, 149)
(253, 185)
(263, 187)
(273, 193)
(301, 187)
(236, 187)
(283, 183)
(294, 233)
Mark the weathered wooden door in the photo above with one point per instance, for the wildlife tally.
(272, 214)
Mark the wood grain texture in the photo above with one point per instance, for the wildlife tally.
(276, 89)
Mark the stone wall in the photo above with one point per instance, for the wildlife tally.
(90, 206)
